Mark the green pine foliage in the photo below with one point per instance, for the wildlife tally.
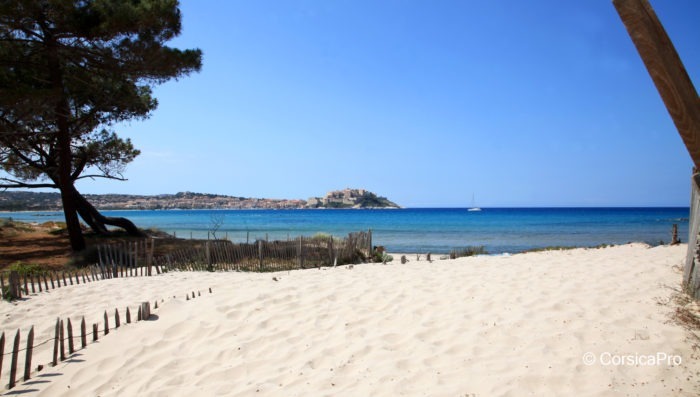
(70, 70)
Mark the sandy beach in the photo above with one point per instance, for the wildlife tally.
(587, 322)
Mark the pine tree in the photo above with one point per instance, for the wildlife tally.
(70, 70)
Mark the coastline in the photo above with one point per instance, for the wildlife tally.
(422, 229)
(519, 324)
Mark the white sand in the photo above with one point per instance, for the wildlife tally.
(484, 326)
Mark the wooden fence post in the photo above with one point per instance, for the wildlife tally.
(369, 242)
(13, 363)
(61, 335)
(149, 255)
(55, 344)
(15, 288)
(207, 249)
(674, 235)
(28, 356)
(300, 253)
(145, 310)
(260, 254)
(2, 350)
(106, 323)
(70, 337)
(83, 336)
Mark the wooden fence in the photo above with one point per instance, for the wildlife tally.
(262, 256)
(140, 258)
(64, 340)
(15, 285)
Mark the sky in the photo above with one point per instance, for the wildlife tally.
(429, 103)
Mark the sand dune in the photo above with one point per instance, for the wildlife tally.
(483, 326)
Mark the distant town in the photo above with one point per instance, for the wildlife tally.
(346, 198)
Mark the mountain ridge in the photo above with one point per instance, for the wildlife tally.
(49, 201)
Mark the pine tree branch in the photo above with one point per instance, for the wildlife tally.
(116, 178)
(13, 184)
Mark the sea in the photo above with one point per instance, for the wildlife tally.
(418, 230)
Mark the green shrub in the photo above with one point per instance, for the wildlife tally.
(381, 257)
(25, 269)
(468, 251)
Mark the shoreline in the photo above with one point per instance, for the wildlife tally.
(419, 230)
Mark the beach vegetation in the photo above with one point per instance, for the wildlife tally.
(380, 256)
(468, 251)
(71, 71)
(565, 248)
(26, 269)
(325, 237)
(551, 248)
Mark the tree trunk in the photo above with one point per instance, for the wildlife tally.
(63, 140)
(98, 222)
(75, 233)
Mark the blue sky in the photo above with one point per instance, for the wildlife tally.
(521, 103)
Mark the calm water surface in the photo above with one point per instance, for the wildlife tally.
(437, 230)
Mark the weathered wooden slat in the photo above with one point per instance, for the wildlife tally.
(128, 315)
(62, 341)
(57, 335)
(106, 323)
(2, 351)
(70, 337)
(15, 287)
(28, 354)
(94, 332)
(13, 363)
(146, 310)
(116, 318)
(83, 334)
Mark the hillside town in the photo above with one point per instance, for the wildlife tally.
(346, 198)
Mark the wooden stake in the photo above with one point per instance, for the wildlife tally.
(2, 350)
(61, 336)
(106, 323)
(83, 334)
(94, 333)
(28, 356)
(57, 335)
(116, 318)
(70, 337)
(13, 363)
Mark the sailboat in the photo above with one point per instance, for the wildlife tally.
(473, 208)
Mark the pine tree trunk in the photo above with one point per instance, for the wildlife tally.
(98, 222)
(75, 233)
(65, 157)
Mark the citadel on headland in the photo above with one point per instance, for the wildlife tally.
(346, 198)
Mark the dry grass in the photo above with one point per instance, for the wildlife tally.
(686, 313)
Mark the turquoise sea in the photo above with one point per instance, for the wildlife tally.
(436, 230)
